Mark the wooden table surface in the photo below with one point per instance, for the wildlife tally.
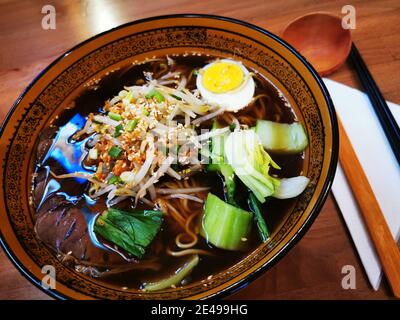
(312, 270)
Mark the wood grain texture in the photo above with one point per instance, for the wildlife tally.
(386, 247)
(311, 270)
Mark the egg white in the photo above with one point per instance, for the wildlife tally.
(233, 100)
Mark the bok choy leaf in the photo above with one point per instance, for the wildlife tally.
(176, 278)
(291, 187)
(218, 164)
(251, 163)
(225, 226)
(258, 217)
(131, 231)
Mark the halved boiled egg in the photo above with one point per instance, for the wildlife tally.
(226, 83)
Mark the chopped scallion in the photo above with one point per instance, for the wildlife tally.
(115, 116)
(118, 130)
(131, 125)
(115, 152)
(155, 94)
(114, 180)
(146, 112)
(176, 97)
(128, 98)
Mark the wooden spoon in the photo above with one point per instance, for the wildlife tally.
(322, 40)
(326, 46)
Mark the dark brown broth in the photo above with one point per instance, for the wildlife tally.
(91, 100)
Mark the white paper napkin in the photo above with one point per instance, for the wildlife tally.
(380, 165)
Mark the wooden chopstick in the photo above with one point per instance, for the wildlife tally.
(385, 245)
(388, 123)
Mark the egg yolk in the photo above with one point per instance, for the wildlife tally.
(221, 77)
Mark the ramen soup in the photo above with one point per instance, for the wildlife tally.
(167, 171)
